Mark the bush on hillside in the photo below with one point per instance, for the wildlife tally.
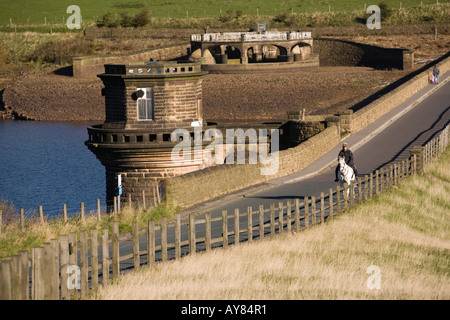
(125, 20)
(61, 52)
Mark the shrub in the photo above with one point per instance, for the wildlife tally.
(126, 20)
(61, 52)
(3, 59)
(141, 19)
(385, 11)
(281, 17)
(108, 20)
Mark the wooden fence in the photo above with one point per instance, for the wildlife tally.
(73, 266)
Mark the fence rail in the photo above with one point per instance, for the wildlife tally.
(74, 266)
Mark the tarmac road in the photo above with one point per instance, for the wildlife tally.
(413, 128)
(387, 140)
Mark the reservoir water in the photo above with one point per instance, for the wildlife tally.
(47, 164)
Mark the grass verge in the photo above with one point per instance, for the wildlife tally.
(13, 238)
(404, 232)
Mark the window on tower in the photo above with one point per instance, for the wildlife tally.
(145, 105)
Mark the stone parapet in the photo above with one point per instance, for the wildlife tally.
(90, 66)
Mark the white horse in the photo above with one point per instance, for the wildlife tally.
(345, 174)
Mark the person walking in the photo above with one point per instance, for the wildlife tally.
(436, 72)
(347, 154)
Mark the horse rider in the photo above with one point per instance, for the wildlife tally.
(347, 154)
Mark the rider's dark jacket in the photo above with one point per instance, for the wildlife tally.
(348, 155)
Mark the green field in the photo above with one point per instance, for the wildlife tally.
(22, 12)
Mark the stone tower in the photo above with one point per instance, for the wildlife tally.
(144, 104)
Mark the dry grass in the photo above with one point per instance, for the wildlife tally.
(405, 232)
(13, 238)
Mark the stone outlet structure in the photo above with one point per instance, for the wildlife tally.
(248, 47)
(151, 109)
(144, 104)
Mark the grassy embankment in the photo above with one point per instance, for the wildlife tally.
(13, 238)
(50, 12)
(32, 42)
(404, 232)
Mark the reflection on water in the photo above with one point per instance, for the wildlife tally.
(47, 163)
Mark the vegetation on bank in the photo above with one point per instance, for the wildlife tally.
(14, 238)
(38, 45)
(401, 235)
(239, 15)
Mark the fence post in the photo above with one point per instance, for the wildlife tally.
(84, 263)
(99, 211)
(115, 250)
(261, 221)
(143, 200)
(163, 226)
(306, 212)
(5, 280)
(82, 211)
(177, 236)
(249, 224)
(288, 216)
(94, 259)
(297, 214)
(322, 207)
(407, 164)
(344, 192)
(417, 153)
(377, 180)
(331, 203)
(360, 190)
(192, 248)
(136, 256)
(225, 228)
(338, 200)
(41, 215)
(54, 261)
(73, 259)
(37, 272)
(352, 194)
(368, 188)
(313, 210)
(208, 231)
(395, 174)
(1, 224)
(19, 276)
(105, 257)
(65, 212)
(22, 219)
(272, 219)
(150, 242)
(280, 218)
(236, 226)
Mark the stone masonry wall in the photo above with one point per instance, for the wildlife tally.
(208, 183)
(336, 52)
(202, 185)
(90, 66)
(363, 117)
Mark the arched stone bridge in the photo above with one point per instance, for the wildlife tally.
(251, 47)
